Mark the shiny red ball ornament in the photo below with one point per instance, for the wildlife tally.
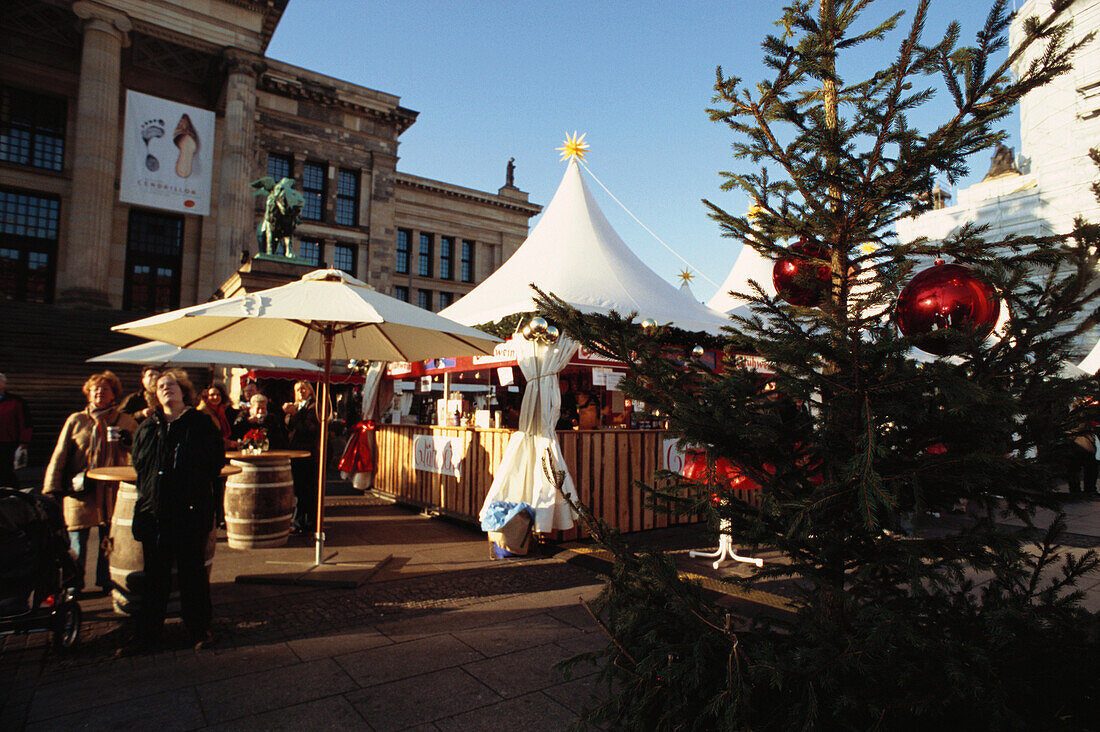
(947, 296)
(800, 281)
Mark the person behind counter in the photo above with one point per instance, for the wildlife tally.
(588, 411)
(178, 455)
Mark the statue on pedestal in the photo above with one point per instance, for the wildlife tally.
(282, 214)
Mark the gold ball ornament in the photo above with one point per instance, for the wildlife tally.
(526, 332)
(538, 325)
(697, 352)
(552, 333)
(649, 326)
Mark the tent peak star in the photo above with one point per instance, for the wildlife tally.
(574, 147)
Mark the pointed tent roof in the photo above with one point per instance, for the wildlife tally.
(574, 253)
(750, 265)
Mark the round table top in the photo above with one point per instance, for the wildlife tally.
(268, 454)
(128, 474)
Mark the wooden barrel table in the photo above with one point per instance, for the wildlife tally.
(126, 561)
(259, 499)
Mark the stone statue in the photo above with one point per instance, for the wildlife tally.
(1002, 162)
(281, 215)
(510, 179)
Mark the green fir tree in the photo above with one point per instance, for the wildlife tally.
(893, 624)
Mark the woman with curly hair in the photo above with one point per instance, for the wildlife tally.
(98, 436)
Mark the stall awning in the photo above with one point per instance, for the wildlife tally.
(310, 376)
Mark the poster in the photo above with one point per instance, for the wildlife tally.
(167, 155)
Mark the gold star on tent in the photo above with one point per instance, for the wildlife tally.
(573, 147)
(686, 276)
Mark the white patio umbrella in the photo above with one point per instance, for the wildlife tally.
(165, 354)
(326, 315)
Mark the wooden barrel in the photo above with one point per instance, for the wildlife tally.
(259, 502)
(127, 561)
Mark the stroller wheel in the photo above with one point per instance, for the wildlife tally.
(66, 631)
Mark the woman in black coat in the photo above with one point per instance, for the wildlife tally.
(304, 430)
(178, 454)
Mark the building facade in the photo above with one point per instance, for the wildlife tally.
(69, 235)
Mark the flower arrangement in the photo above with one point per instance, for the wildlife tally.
(254, 441)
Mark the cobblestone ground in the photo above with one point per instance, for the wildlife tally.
(27, 660)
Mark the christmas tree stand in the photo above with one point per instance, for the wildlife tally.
(725, 548)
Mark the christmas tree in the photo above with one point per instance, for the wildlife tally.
(894, 624)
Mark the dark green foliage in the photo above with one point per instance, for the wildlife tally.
(978, 627)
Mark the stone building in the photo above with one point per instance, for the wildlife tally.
(68, 235)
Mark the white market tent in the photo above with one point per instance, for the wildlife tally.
(749, 265)
(574, 253)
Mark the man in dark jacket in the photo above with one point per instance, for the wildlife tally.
(305, 434)
(15, 432)
(259, 416)
(178, 455)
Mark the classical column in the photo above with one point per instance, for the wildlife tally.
(86, 254)
(236, 228)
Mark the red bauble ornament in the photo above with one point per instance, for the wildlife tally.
(800, 281)
(947, 296)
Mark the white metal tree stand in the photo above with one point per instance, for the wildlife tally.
(725, 548)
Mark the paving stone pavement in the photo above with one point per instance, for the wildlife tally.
(435, 636)
(438, 638)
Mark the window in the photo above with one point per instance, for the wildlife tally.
(343, 257)
(445, 299)
(32, 129)
(467, 260)
(424, 299)
(447, 257)
(401, 292)
(425, 268)
(313, 190)
(309, 251)
(154, 251)
(404, 237)
(28, 246)
(347, 198)
(279, 166)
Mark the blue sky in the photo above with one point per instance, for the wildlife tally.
(494, 79)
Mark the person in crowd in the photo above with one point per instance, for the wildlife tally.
(15, 433)
(304, 430)
(139, 404)
(248, 390)
(178, 455)
(214, 402)
(98, 436)
(1081, 466)
(259, 417)
(588, 411)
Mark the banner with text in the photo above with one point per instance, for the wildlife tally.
(167, 155)
(437, 454)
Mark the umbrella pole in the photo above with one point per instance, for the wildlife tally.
(323, 446)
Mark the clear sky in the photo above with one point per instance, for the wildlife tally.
(494, 79)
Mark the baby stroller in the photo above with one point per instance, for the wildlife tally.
(37, 572)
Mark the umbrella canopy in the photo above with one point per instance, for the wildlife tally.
(165, 354)
(291, 321)
(327, 314)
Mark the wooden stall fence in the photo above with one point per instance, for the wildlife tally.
(605, 464)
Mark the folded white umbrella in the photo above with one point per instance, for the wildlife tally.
(165, 354)
(325, 315)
